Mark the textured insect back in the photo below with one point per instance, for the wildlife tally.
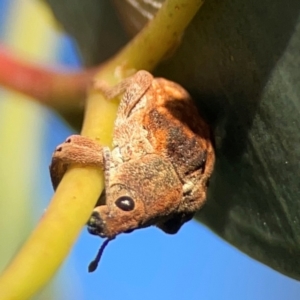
(158, 170)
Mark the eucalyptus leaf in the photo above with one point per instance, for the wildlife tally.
(241, 62)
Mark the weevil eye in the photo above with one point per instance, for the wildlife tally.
(125, 203)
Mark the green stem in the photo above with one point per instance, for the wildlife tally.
(78, 192)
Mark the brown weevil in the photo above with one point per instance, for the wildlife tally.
(161, 159)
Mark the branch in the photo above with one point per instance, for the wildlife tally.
(78, 192)
(62, 91)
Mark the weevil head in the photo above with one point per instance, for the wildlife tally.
(122, 212)
(141, 193)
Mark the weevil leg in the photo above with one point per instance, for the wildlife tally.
(172, 225)
(79, 150)
(139, 84)
(133, 88)
(106, 166)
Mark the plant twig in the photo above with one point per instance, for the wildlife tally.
(62, 91)
(77, 193)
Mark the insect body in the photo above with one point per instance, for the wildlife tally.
(160, 163)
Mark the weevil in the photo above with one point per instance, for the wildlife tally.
(158, 169)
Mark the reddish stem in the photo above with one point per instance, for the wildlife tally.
(62, 91)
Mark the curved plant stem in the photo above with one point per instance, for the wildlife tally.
(77, 193)
(62, 91)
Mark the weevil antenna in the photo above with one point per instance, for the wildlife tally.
(94, 264)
